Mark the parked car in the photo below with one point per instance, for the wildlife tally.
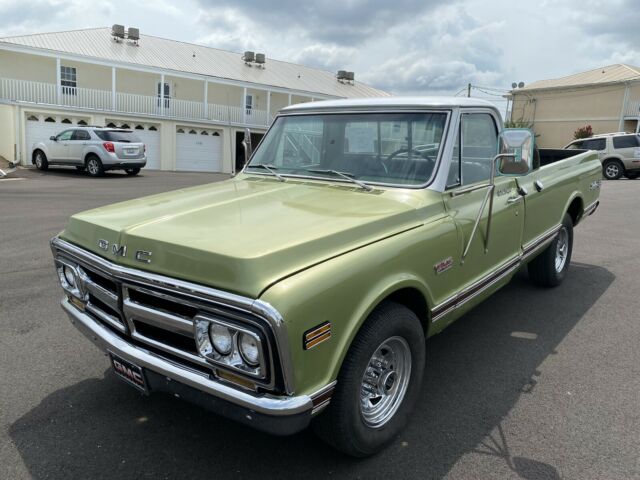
(619, 153)
(93, 149)
(302, 290)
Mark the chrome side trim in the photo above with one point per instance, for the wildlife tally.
(107, 340)
(197, 292)
(589, 209)
(322, 397)
(469, 293)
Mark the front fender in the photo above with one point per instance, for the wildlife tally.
(345, 289)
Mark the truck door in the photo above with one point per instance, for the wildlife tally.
(469, 177)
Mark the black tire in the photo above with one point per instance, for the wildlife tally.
(545, 270)
(343, 424)
(94, 166)
(612, 169)
(132, 171)
(81, 168)
(40, 160)
(632, 175)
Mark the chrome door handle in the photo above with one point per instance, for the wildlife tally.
(514, 199)
(539, 185)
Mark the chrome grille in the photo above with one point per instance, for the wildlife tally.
(159, 312)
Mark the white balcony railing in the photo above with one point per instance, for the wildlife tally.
(102, 100)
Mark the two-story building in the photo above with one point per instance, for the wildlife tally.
(607, 98)
(189, 103)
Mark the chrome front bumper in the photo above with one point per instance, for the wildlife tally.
(278, 415)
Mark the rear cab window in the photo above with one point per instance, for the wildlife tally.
(121, 136)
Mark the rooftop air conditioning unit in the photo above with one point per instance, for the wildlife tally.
(117, 31)
(248, 57)
(133, 34)
(260, 58)
(350, 76)
(342, 74)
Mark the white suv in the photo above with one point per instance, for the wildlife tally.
(619, 153)
(94, 149)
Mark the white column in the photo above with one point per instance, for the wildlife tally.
(206, 98)
(625, 100)
(113, 88)
(58, 82)
(289, 99)
(162, 94)
(269, 106)
(244, 105)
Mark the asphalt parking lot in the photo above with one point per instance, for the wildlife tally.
(534, 383)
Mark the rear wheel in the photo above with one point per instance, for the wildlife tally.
(612, 169)
(550, 267)
(132, 171)
(378, 385)
(40, 160)
(94, 166)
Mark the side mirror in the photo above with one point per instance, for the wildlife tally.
(54, 138)
(516, 151)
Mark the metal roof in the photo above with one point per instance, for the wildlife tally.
(609, 74)
(402, 102)
(161, 53)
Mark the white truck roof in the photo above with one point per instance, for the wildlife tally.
(386, 102)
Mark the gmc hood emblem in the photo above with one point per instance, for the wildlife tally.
(121, 251)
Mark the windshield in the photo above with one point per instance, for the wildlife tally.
(390, 148)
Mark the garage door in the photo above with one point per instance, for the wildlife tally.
(198, 150)
(150, 136)
(39, 128)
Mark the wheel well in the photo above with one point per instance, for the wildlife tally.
(414, 300)
(613, 159)
(575, 210)
(88, 156)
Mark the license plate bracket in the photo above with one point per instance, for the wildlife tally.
(129, 373)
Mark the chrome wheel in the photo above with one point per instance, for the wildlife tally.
(612, 170)
(385, 381)
(93, 167)
(562, 249)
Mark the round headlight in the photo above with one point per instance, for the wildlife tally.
(249, 349)
(221, 338)
(69, 275)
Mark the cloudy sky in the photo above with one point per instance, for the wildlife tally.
(403, 46)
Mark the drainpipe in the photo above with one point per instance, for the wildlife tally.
(113, 88)
(206, 98)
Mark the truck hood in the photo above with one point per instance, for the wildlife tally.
(244, 234)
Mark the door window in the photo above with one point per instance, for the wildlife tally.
(248, 103)
(595, 144)
(80, 135)
(476, 145)
(66, 135)
(626, 141)
(164, 92)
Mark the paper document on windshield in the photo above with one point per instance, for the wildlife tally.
(361, 138)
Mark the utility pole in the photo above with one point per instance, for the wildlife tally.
(468, 90)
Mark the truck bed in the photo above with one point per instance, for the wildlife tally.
(552, 155)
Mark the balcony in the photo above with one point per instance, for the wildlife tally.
(104, 101)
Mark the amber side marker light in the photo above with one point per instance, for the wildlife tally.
(316, 335)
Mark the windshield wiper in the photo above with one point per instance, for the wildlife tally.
(345, 175)
(269, 168)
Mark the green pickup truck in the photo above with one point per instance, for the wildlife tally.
(301, 291)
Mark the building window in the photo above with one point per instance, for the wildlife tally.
(204, 132)
(50, 120)
(139, 127)
(152, 128)
(167, 94)
(111, 125)
(82, 122)
(68, 80)
(180, 130)
(66, 120)
(32, 118)
(124, 125)
(193, 132)
(248, 104)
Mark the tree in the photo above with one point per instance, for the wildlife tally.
(583, 132)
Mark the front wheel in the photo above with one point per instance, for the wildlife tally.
(94, 167)
(41, 160)
(378, 385)
(132, 171)
(550, 267)
(612, 169)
